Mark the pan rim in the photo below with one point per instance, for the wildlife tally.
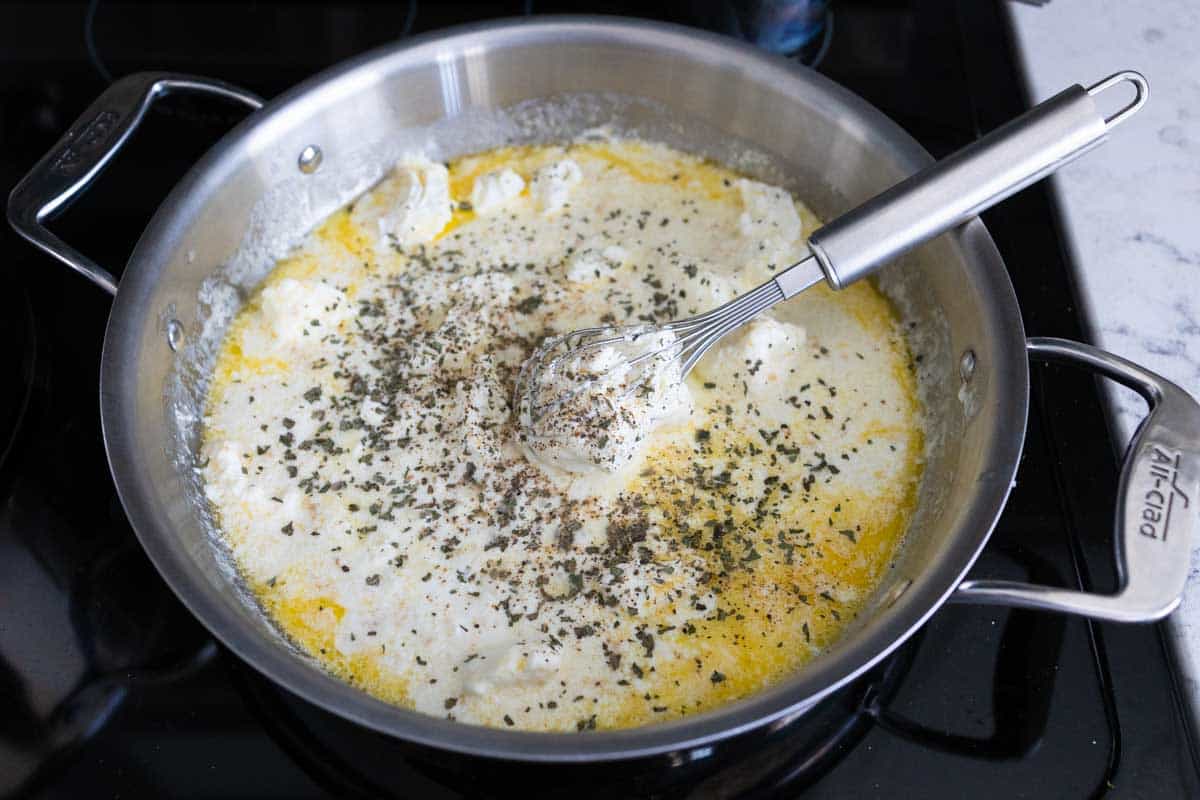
(776, 704)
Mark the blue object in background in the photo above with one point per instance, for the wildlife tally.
(786, 27)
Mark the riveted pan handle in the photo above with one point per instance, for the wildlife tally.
(86, 149)
(1156, 504)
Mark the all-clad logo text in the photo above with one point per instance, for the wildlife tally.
(94, 133)
(1159, 502)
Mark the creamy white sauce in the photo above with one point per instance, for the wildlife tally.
(363, 460)
(595, 260)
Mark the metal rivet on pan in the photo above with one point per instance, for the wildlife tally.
(310, 159)
(174, 334)
(966, 365)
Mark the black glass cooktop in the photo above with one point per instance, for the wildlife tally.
(109, 688)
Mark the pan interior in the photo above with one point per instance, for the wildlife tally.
(246, 204)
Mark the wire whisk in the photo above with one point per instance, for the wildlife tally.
(612, 363)
(615, 362)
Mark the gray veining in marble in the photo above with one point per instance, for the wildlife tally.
(1132, 207)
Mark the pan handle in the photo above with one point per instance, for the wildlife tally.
(86, 149)
(1157, 500)
(972, 180)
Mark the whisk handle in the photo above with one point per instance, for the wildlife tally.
(959, 187)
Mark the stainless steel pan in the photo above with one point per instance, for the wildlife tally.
(302, 155)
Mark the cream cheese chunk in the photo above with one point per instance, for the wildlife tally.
(769, 212)
(765, 349)
(410, 207)
(552, 185)
(594, 261)
(298, 310)
(494, 190)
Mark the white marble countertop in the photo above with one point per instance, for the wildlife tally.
(1132, 208)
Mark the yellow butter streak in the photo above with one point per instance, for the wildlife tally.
(311, 623)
